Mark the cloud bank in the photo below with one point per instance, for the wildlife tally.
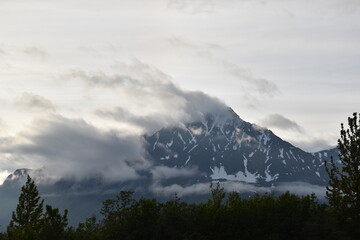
(153, 100)
(67, 147)
(280, 122)
(260, 85)
(74, 148)
(299, 188)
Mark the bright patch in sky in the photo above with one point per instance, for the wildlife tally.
(3, 176)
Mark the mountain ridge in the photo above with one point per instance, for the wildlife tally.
(225, 147)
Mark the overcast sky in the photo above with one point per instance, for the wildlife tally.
(103, 72)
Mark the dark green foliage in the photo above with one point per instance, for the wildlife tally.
(53, 224)
(208, 218)
(89, 230)
(174, 219)
(27, 219)
(125, 218)
(287, 216)
(269, 217)
(3, 236)
(29, 222)
(343, 191)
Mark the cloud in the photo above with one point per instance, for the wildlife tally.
(99, 78)
(343, 7)
(179, 41)
(4, 128)
(299, 188)
(34, 52)
(197, 6)
(148, 123)
(314, 144)
(204, 188)
(91, 51)
(34, 102)
(194, 7)
(153, 100)
(254, 88)
(210, 6)
(280, 122)
(242, 187)
(302, 188)
(2, 123)
(194, 189)
(74, 148)
(260, 85)
(203, 49)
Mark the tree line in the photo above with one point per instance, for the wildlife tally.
(223, 216)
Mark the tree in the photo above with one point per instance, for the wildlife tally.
(88, 230)
(218, 194)
(53, 224)
(343, 191)
(26, 221)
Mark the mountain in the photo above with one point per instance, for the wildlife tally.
(18, 175)
(219, 146)
(325, 155)
(225, 147)
(185, 159)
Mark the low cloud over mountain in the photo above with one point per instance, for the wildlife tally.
(152, 99)
(281, 122)
(75, 148)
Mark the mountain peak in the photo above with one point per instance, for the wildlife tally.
(19, 174)
(225, 147)
(215, 121)
(18, 177)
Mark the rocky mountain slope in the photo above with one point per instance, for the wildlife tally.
(225, 147)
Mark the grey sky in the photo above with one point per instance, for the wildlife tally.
(298, 59)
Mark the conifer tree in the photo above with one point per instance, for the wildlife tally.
(27, 219)
(54, 224)
(343, 191)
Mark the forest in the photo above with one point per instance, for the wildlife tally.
(223, 216)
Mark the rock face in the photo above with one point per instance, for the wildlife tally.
(224, 147)
(325, 155)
